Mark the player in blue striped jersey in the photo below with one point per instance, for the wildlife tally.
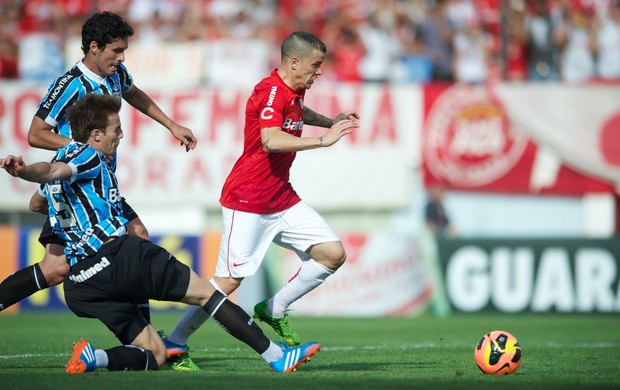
(112, 271)
(104, 41)
(86, 211)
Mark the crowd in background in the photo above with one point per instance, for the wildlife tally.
(416, 41)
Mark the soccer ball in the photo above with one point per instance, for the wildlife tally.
(498, 353)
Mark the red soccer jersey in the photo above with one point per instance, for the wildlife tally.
(259, 181)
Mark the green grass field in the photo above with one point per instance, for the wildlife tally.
(559, 351)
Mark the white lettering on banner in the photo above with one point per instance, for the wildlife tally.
(595, 272)
(554, 285)
(153, 171)
(507, 280)
(467, 279)
(478, 138)
(469, 140)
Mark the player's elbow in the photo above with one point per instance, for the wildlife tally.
(38, 204)
(33, 140)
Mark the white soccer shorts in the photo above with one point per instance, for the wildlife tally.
(247, 236)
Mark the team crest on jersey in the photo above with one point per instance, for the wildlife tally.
(75, 150)
(115, 87)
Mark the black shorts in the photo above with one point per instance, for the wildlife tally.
(124, 273)
(48, 236)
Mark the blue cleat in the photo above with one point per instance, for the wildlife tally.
(172, 349)
(83, 358)
(294, 357)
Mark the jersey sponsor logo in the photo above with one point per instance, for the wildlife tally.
(295, 126)
(54, 94)
(88, 273)
(272, 95)
(469, 139)
(114, 195)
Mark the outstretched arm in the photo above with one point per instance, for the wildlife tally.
(143, 103)
(40, 172)
(313, 118)
(276, 140)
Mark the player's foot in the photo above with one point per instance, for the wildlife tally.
(83, 358)
(294, 357)
(173, 349)
(185, 363)
(282, 326)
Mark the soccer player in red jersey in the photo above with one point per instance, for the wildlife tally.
(259, 204)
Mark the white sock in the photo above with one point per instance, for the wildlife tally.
(309, 276)
(273, 353)
(101, 358)
(193, 318)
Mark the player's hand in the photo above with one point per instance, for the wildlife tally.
(185, 136)
(12, 164)
(347, 115)
(339, 130)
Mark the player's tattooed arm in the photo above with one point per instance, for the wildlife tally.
(315, 119)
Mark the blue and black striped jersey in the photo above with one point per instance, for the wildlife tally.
(85, 210)
(72, 86)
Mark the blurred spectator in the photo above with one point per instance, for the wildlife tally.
(373, 40)
(41, 57)
(542, 50)
(461, 13)
(41, 30)
(436, 218)
(381, 48)
(348, 49)
(415, 63)
(576, 58)
(511, 49)
(437, 33)
(155, 20)
(606, 44)
(471, 54)
(9, 22)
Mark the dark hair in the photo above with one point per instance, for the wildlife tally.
(104, 28)
(301, 44)
(91, 113)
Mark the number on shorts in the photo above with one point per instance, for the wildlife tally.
(65, 217)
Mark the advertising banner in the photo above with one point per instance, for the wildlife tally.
(187, 249)
(368, 169)
(522, 138)
(532, 275)
(384, 275)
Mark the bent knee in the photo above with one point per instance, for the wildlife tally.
(340, 258)
(54, 268)
(138, 230)
(336, 257)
